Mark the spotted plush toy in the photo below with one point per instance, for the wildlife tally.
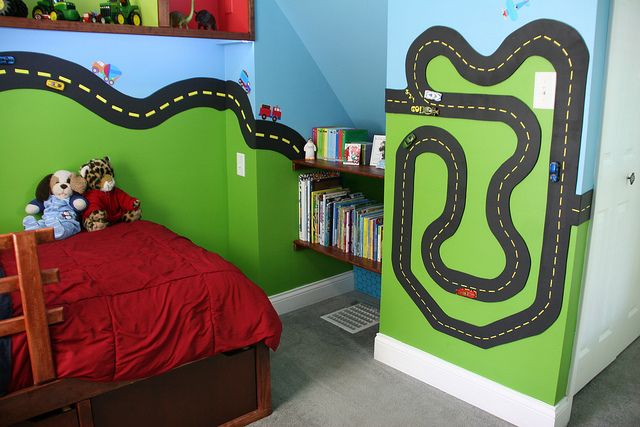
(107, 204)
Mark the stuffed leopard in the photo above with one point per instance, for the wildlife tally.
(107, 204)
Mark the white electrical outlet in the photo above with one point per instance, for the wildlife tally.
(544, 92)
(240, 171)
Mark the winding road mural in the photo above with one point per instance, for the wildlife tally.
(40, 71)
(564, 48)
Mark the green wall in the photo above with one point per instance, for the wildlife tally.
(180, 179)
(536, 366)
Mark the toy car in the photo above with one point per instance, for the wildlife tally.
(92, 17)
(266, 111)
(466, 292)
(244, 81)
(109, 73)
(554, 171)
(432, 96)
(7, 60)
(408, 140)
(54, 84)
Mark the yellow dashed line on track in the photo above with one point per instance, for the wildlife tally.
(178, 99)
(115, 107)
(194, 93)
(207, 92)
(84, 88)
(64, 79)
(150, 113)
(3, 72)
(101, 99)
(21, 71)
(135, 115)
(43, 74)
(163, 106)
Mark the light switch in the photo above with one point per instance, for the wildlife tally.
(240, 164)
(544, 92)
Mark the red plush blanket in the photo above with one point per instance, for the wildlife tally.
(140, 300)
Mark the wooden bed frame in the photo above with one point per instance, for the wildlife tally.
(231, 389)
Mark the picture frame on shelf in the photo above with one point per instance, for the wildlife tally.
(377, 151)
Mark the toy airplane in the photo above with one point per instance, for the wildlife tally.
(511, 9)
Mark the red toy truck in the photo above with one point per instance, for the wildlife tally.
(267, 111)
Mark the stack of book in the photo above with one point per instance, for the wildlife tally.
(331, 215)
(331, 140)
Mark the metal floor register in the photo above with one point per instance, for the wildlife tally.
(354, 318)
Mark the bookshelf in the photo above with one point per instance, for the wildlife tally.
(163, 29)
(336, 253)
(369, 171)
(331, 251)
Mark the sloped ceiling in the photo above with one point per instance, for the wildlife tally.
(348, 42)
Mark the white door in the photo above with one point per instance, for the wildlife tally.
(609, 318)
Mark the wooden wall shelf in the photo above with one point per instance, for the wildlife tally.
(336, 253)
(369, 171)
(163, 30)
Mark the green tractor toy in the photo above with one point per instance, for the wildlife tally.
(13, 8)
(56, 10)
(120, 12)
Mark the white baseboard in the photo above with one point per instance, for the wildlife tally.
(494, 398)
(313, 292)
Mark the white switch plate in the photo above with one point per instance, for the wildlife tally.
(240, 164)
(544, 92)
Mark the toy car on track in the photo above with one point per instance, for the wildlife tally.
(7, 60)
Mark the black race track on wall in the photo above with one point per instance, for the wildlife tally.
(33, 70)
(566, 51)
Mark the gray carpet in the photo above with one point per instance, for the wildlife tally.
(324, 376)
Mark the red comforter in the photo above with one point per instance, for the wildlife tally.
(140, 300)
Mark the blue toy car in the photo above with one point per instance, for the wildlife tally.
(7, 60)
(554, 171)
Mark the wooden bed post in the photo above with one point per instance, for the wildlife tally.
(263, 374)
(34, 309)
(35, 319)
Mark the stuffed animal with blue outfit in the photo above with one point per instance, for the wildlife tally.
(59, 200)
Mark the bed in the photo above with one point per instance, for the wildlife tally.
(145, 328)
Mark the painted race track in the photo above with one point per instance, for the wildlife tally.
(33, 70)
(566, 51)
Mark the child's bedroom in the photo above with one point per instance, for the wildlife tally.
(193, 229)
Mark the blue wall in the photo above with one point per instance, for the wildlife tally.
(288, 76)
(323, 62)
(482, 24)
(148, 63)
(347, 40)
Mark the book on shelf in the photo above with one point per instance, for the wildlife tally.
(333, 216)
(377, 150)
(330, 140)
(357, 153)
(307, 184)
(348, 135)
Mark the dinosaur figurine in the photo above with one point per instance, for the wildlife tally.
(178, 20)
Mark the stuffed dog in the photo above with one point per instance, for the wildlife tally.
(59, 200)
(107, 204)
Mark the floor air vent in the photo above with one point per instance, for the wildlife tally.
(354, 318)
